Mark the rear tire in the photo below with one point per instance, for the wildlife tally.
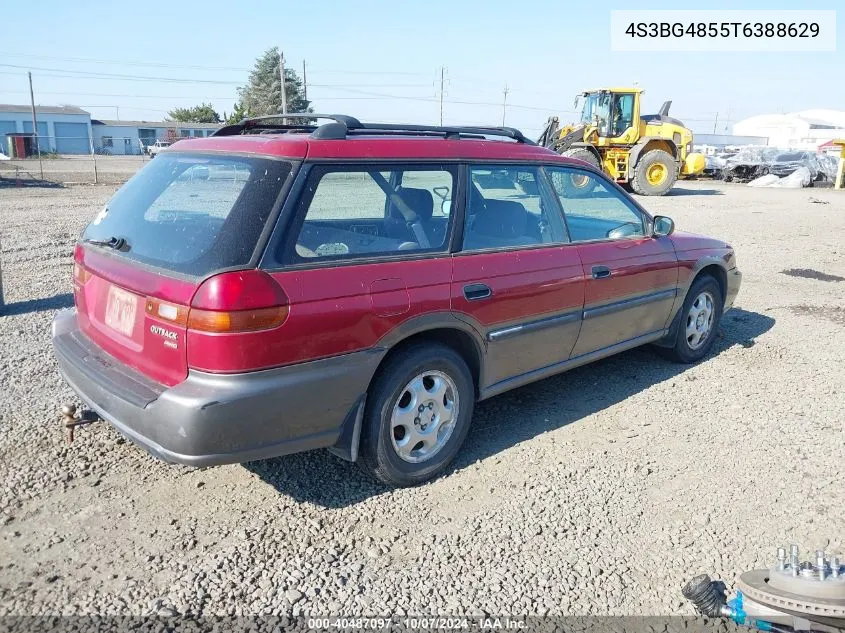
(698, 322)
(654, 174)
(580, 186)
(418, 413)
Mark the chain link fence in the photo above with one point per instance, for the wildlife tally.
(72, 160)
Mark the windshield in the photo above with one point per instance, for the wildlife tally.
(596, 104)
(191, 214)
(612, 113)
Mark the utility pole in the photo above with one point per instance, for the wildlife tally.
(715, 122)
(304, 82)
(442, 88)
(282, 80)
(505, 105)
(117, 112)
(35, 125)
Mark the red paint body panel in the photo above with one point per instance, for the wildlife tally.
(692, 248)
(282, 145)
(142, 349)
(525, 283)
(299, 146)
(331, 312)
(638, 267)
(527, 286)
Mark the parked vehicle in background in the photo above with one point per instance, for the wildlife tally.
(281, 287)
(156, 147)
(753, 162)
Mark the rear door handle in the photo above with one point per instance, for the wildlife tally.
(475, 292)
(600, 272)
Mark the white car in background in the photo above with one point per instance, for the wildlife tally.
(156, 147)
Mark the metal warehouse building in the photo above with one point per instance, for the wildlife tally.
(129, 137)
(70, 130)
(62, 129)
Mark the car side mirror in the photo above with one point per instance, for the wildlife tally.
(663, 226)
(446, 207)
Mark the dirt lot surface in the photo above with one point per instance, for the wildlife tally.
(599, 491)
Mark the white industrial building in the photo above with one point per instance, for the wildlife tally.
(130, 137)
(70, 130)
(62, 129)
(807, 130)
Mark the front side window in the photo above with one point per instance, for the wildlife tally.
(510, 206)
(593, 210)
(356, 211)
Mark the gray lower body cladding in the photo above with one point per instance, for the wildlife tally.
(213, 419)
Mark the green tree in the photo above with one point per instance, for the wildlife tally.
(237, 115)
(263, 95)
(203, 113)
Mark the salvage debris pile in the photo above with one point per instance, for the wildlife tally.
(771, 167)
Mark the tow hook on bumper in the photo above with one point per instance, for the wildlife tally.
(71, 420)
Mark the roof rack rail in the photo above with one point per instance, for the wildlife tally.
(343, 125)
(263, 123)
(447, 131)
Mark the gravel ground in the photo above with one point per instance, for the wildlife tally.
(596, 492)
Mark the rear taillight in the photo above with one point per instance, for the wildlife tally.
(81, 275)
(237, 321)
(242, 301)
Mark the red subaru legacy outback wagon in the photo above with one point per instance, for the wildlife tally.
(284, 286)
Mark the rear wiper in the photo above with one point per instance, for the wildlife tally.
(117, 243)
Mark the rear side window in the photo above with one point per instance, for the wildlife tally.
(192, 214)
(364, 211)
(510, 206)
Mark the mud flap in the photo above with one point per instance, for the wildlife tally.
(346, 446)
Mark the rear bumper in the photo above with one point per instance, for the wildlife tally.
(734, 278)
(213, 419)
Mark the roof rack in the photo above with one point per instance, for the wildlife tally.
(264, 123)
(343, 125)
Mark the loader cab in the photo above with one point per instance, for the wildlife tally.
(613, 112)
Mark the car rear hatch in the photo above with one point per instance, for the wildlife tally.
(180, 220)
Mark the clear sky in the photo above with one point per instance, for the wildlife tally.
(381, 60)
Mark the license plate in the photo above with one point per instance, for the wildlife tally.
(120, 310)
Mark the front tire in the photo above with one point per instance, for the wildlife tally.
(417, 416)
(576, 185)
(698, 322)
(654, 174)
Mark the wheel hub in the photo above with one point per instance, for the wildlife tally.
(424, 416)
(699, 320)
(656, 174)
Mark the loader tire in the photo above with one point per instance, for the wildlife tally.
(654, 174)
(577, 186)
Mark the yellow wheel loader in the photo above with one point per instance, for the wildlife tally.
(644, 153)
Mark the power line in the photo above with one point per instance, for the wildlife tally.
(127, 96)
(99, 75)
(87, 60)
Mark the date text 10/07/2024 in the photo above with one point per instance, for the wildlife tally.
(724, 29)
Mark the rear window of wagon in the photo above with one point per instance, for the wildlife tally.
(192, 214)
